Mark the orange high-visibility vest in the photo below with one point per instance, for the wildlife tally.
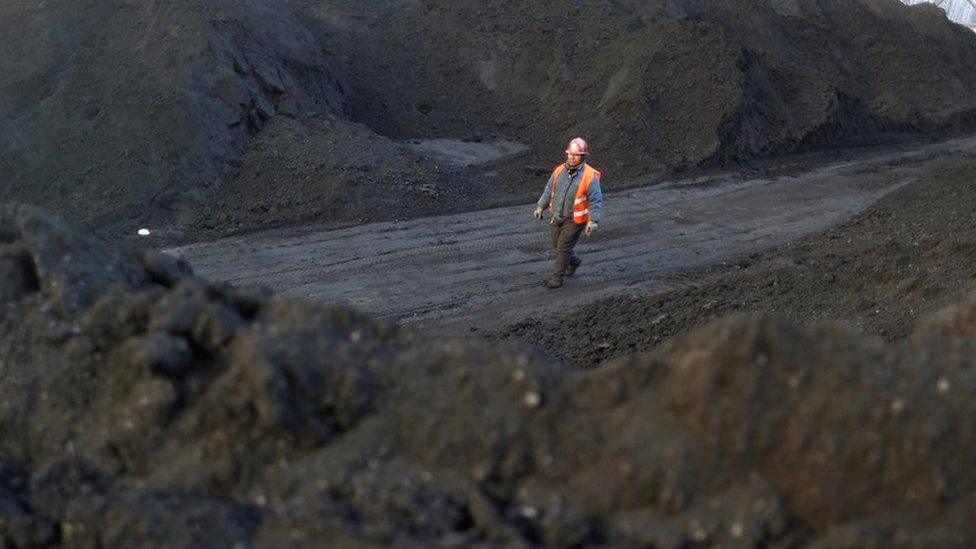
(581, 210)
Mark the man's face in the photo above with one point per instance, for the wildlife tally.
(573, 160)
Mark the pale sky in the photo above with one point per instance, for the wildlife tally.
(958, 10)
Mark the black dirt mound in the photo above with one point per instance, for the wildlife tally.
(118, 112)
(142, 405)
(212, 115)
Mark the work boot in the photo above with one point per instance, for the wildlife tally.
(571, 268)
(554, 282)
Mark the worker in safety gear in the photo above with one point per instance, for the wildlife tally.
(574, 200)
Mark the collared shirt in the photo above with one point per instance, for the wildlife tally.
(566, 188)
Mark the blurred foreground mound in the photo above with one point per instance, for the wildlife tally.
(142, 405)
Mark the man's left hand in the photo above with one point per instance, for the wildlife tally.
(590, 227)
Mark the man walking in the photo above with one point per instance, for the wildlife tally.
(573, 198)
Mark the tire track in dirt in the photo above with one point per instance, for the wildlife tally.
(484, 269)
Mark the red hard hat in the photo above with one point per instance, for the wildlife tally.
(577, 146)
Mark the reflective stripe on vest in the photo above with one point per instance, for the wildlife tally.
(581, 210)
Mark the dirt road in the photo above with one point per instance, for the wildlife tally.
(484, 269)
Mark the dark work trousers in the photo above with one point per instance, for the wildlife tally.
(565, 235)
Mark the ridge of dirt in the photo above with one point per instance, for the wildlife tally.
(162, 409)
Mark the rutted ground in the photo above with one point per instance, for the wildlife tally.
(483, 269)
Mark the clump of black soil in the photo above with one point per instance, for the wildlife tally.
(141, 405)
(205, 117)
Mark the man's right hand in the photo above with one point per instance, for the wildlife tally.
(538, 212)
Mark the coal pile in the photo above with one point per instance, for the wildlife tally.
(127, 113)
(209, 116)
(143, 405)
